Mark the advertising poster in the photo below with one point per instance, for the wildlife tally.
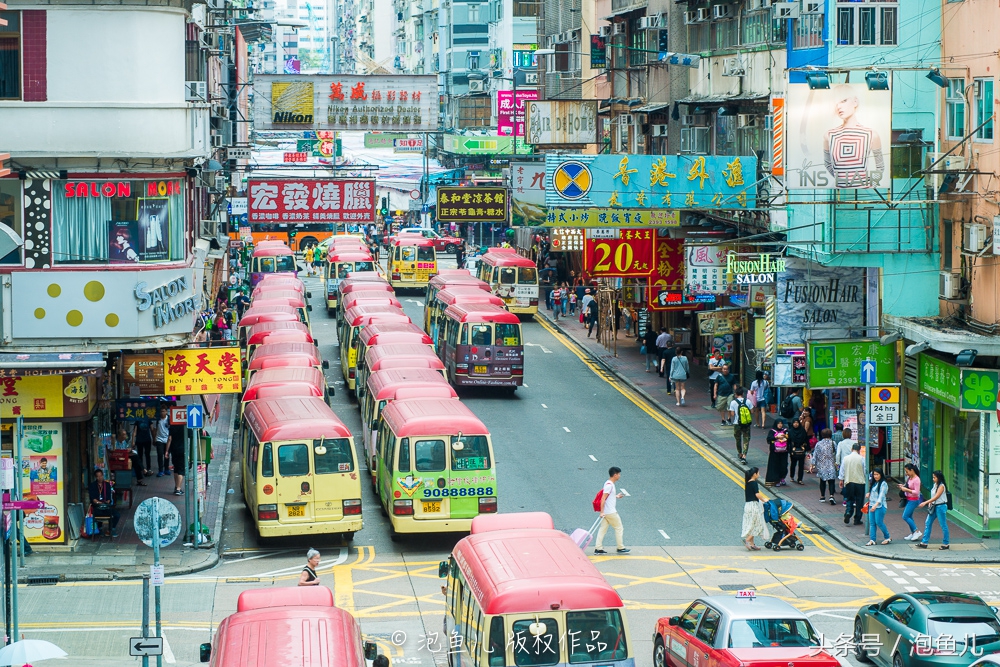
(838, 138)
(528, 193)
(154, 221)
(816, 302)
(42, 479)
(510, 112)
(123, 239)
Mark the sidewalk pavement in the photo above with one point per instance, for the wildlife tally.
(702, 421)
(125, 556)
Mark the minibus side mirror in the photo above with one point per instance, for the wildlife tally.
(332, 389)
(326, 364)
(309, 295)
(371, 650)
(443, 569)
(675, 620)
(205, 652)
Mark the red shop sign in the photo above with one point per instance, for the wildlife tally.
(311, 200)
(629, 255)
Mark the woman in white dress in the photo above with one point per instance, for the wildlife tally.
(753, 510)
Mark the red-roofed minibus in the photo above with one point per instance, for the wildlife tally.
(383, 387)
(511, 277)
(269, 355)
(390, 334)
(447, 281)
(435, 468)
(284, 298)
(523, 594)
(412, 262)
(353, 322)
(257, 338)
(369, 297)
(288, 626)
(271, 259)
(340, 262)
(300, 472)
(376, 355)
(348, 288)
(451, 295)
(308, 380)
(482, 346)
(265, 314)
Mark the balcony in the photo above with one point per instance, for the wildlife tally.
(622, 6)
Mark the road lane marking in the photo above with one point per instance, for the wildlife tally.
(934, 588)
(566, 428)
(592, 457)
(880, 566)
(909, 573)
(545, 406)
(419, 303)
(900, 581)
(921, 580)
(168, 655)
(544, 349)
(665, 536)
(912, 588)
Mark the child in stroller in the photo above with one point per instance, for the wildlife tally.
(778, 514)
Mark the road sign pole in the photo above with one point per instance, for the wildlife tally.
(17, 494)
(197, 489)
(187, 481)
(145, 614)
(15, 630)
(156, 561)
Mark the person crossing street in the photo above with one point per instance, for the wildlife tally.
(609, 513)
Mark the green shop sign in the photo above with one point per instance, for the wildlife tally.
(835, 364)
(979, 390)
(943, 382)
(458, 144)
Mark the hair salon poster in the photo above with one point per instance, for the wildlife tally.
(42, 479)
(122, 242)
(154, 227)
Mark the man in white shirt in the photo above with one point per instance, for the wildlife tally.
(609, 513)
(844, 448)
(852, 481)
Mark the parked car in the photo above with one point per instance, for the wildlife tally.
(441, 243)
(740, 631)
(926, 629)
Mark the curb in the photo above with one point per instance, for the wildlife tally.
(818, 524)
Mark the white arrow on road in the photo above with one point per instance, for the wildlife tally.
(544, 349)
(419, 303)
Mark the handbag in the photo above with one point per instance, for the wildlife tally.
(642, 350)
(864, 510)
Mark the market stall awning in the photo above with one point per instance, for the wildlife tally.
(652, 108)
(723, 99)
(52, 363)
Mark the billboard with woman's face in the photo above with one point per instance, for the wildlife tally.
(838, 138)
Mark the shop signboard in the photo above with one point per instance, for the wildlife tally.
(134, 410)
(673, 182)
(722, 322)
(47, 396)
(835, 364)
(460, 144)
(817, 302)
(395, 103)
(757, 269)
(527, 193)
(561, 122)
(409, 145)
(979, 390)
(284, 200)
(42, 474)
(566, 239)
(472, 204)
(666, 282)
(705, 269)
(598, 52)
(142, 374)
(630, 253)
(381, 139)
(510, 112)
(939, 380)
(315, 147)
(612, 217)
(214, 370)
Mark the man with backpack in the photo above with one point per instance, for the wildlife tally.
(606, 503)
(742, 423)
(791, 405)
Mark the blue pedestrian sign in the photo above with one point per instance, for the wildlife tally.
(868, 368)
(196, 415)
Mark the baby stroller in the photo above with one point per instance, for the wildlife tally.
(778, 514)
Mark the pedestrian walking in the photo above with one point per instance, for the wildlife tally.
(564, 298)
(825, 460)
(666, 357)
(680, 369)
(161, 435)
(142, 436)
(844, 448)
(661, 345)
(937, 510)
(649, 345)
(592, 317)
(572, 302)
(798, 447)
(725, 384)
(609, 513)
(556, 301)
(852, 481)
(777, 454)
(176, 448)
(309, 576)
(911, 492)
(627, 321)
(876, 508)
(760, 390)
(753, 510)
(742, 423)
(310, 256)
(584, 302)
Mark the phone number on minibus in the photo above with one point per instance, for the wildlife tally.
(457, 493)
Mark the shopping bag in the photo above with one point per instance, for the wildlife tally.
(583, 537)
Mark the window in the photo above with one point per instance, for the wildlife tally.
(527, 275)
(508, 275)
(10, 56)
(474, 455)
(119, 222)
(760, 27)
(267, 462)
(10, 211)
(604, 626)
(983, 628)
(689, 621)
(956, 108)
(508, 334)
(637, 42)
(482, 334)
(771, 632)
(472, 60)
(474, 14)
(498, 644)
(709, 627)
(542, 649)
(293, 460)
(899, 609)
(338, 457)
(947, 229)
(808, 31)
(252, 447)
(868, 23)
(984, 109)
(430, 455)
(526, 7)
(426, 254)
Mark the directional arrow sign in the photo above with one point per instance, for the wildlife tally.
(143, 646)
(195, 415)
(868, 372)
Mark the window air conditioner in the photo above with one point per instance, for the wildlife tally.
(721, 11)
(531, 78)
(476, 85)
(604, 30)
(208, 39)
(954, 163)
(975, 238)
(618, 28)
(195, 91)
(644, 23)
(950, 283)
(703, 14)
(626, 119)
(658, 130)
(216, 140)
(812, 8)
(786, 10)
(220, 183)
(690, 17)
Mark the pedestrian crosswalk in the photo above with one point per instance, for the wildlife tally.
(902, 573)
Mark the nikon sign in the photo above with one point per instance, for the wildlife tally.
(754, 270)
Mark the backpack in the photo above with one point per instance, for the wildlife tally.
(744, 414)
(597, 500)
(787, 409)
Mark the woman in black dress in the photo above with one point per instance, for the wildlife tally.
(777, 458)
(798, 447)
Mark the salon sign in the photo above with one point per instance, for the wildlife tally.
(757, 269)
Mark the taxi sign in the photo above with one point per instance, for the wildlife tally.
(746, 593)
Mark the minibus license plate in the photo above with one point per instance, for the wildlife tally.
(479, 369)
(296, 510)
(432, 507)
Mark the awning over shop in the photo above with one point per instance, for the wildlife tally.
(652, 108)
(723, 99)
(51, 363)
(942, 337)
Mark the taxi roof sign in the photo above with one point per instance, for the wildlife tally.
(746, 593)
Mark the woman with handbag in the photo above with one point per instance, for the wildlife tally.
(680, 369)
(937, 509)
(753, 510)
(777, 458)
(825, 460)
(877, 508)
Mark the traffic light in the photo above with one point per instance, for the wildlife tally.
(291, 235)
(384, 211)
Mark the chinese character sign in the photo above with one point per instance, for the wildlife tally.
(651, 181)
(309, 200)
(510, 113)
(528, 193)
(631, 254)
(474, 204)
(592, 218)
(203, 371)
(706, 269)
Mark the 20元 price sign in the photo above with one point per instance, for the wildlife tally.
(630, 254)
